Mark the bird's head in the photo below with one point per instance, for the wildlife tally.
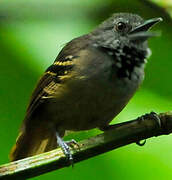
(124, 30)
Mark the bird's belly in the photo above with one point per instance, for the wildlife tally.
(94, 104)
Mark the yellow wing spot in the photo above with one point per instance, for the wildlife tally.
(50, 89)
(51, 73)
(69, 57)
(65, 77)
(65, 63)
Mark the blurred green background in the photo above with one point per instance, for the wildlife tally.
(31, 35)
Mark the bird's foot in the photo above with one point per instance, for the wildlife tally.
(72, 143)
(152, 115)
(66, 150)
(65, 146)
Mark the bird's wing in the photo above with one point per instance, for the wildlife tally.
(54, 75)
(48, 84)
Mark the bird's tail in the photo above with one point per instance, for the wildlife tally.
(33, 141)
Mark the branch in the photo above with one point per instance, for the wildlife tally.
(120, 135)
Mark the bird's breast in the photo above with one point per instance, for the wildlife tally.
(93, 100)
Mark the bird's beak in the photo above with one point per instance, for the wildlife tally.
(140, 33)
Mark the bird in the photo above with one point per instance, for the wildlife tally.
(92, 79)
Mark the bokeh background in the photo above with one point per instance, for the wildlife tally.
(31, 35)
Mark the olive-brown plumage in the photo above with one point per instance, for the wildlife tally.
(90, 82)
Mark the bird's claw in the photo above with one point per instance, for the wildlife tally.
(140, 143)
(72, 143)
(152, 115)
(156, 117)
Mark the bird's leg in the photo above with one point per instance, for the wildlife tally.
(65, 148)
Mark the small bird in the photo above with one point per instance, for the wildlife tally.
(90, 82)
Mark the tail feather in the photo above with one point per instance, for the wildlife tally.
(32, 142)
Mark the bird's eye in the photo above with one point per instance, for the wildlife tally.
(120, 26)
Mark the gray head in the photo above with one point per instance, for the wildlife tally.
(124, 29)
(124, 37)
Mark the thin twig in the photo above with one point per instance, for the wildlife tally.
(120, 135)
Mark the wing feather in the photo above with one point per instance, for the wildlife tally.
(53, 76)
